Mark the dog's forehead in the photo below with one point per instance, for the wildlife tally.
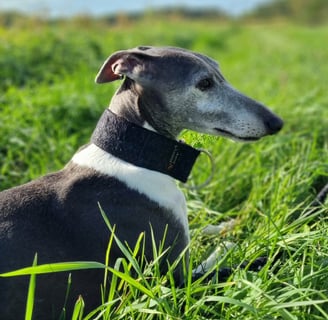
(177, 52)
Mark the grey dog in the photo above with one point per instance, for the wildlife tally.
(130, 168)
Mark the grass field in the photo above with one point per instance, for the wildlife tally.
(49, 106)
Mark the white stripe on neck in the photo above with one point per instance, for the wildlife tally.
(158, 187)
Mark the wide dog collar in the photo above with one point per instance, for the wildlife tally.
(142, 147)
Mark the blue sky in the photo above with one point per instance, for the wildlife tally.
(98, 7)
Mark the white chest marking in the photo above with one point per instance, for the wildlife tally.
(158, 187)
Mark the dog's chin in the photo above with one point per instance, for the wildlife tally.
(228, 134)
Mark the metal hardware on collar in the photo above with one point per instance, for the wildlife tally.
(143, 148)
(209, 179)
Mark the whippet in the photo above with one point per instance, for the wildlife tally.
(129, 168)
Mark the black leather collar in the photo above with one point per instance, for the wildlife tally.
(142, 147)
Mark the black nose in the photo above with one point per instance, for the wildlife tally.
(274, 124)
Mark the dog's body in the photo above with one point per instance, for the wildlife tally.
(165, 91)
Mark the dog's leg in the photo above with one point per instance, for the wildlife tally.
(222, 274)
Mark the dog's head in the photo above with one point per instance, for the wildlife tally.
(186, 90)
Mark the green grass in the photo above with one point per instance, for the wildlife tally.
(49, 106)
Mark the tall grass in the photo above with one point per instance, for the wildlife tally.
(49, 106)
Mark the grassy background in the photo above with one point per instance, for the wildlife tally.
(49, 106)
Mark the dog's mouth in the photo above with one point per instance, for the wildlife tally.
(230, 135)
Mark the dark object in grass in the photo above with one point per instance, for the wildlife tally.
(321, 197)
(224, 273)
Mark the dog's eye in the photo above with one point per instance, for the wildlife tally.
(205, 84)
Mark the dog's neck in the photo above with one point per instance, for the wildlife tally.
(143, 107)
(144, 148)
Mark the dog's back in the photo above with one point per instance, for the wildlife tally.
(34, 220)
(57, 217)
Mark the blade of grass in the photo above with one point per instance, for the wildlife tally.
(78, 309)
(31, 292)
(133, 282)
(55, 267)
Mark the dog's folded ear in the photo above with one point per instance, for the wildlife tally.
(130, 63)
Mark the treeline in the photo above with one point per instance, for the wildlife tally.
(13, 18)
(302, 11)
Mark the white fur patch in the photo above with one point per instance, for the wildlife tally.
(146, 125)
(158, 187)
